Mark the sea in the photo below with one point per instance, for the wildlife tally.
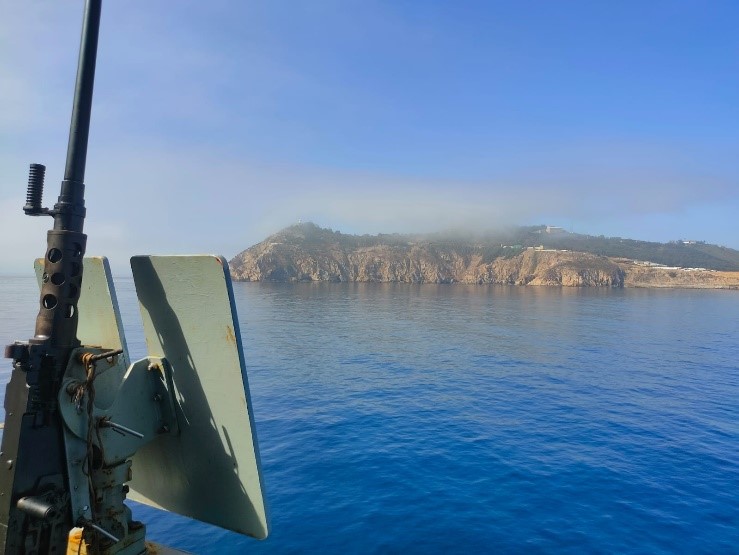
(397, 418)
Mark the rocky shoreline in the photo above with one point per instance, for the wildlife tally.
(314, 254)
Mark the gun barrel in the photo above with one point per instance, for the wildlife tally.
(80, 125)
(69, 211)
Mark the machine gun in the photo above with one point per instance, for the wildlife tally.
(85, 428)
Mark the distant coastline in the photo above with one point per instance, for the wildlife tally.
(534, 256)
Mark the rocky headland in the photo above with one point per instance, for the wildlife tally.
(306, 252)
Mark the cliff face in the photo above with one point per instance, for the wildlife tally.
(418, 265)
(637, 275)
(307, 253)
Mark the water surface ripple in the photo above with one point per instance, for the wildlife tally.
(456, 419)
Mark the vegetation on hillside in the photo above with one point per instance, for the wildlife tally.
(511, 242)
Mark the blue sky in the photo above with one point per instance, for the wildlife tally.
(216, 123)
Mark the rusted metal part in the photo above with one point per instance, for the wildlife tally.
(88, 358)
(142, 409)
(100, 320)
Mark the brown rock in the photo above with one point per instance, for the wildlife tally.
(309, 253)
(314, 254)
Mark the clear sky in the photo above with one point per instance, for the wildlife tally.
(216, 123)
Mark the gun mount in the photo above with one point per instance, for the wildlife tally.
(85, 427)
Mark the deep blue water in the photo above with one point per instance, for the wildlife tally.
(455, 419)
